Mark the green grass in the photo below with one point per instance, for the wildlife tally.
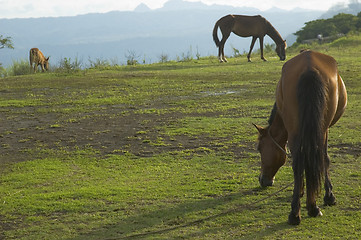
(163, 151)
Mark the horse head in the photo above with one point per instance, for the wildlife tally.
(281, 50)
(46, 63)
(272, 156)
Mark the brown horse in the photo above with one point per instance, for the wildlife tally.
(310, 98)
(36, 58)
(247, 26)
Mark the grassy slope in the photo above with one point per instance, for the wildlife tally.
(191, 154)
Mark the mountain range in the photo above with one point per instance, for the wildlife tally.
(178, 28)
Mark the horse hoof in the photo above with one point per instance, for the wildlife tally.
(329, 200)
(294, 220)
(315, 212)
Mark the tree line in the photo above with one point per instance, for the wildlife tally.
(339, 24)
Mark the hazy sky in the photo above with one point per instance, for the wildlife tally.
(42, 8)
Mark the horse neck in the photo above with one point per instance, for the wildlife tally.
(272, 32)
(278, 131)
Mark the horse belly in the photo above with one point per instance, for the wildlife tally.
(336, 102)
(247, 30)
(342, 100)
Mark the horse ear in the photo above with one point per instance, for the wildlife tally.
(262, 131)
(259, 128)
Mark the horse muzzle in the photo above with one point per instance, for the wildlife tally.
(282, 58)
(265, 182)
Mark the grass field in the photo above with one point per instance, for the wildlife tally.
(163, 151)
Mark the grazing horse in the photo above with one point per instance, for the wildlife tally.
(247, 26)
(310, 98)
(37, 58)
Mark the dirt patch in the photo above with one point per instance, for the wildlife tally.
(107, 131)
(350, 149)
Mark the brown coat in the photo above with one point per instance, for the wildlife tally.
(37, 58)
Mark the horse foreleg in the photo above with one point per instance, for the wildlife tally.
(261, 47)
(250, 50)
(329, 199)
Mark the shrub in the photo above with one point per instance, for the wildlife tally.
(163, 58)
(132, 58)
(188, 56)
(67, 65)
(3, 72)
(236, 52)
(21, 67)
(99, 63)
(341, 23)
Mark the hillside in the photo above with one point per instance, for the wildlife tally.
(171, 30)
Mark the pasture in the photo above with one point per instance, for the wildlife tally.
(164, 151)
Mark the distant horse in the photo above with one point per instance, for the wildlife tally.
(247, 26)
(310, 98)
(36, 58)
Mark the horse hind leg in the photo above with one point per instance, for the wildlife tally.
(294, 218)
(224, 59)
(329, 199)
(221, 56)
(220, 50)
(312, 208)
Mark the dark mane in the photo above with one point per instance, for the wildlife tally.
(273, 33)
(273, 114)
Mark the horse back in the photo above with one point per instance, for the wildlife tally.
(325, 68)
(246, 26)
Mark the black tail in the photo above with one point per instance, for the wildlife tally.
(215, 34)
(309, 146)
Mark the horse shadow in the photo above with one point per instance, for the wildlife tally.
(163, 220)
